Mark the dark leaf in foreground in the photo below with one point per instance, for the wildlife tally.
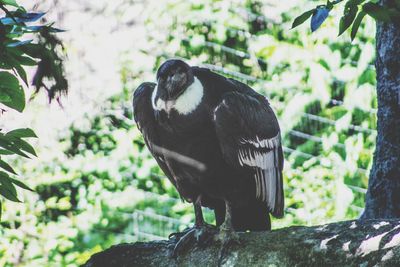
(319, 16)
(11, 93)
(347, 19)
(303, 17)
(356, 24)
(5, 166)
(22, 133)
(19, 43)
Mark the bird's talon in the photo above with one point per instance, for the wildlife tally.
(173, 235)
(201, 234)
(178, 235)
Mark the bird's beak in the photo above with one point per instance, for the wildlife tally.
(168, 106)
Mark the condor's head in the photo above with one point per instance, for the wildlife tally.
(173, 77)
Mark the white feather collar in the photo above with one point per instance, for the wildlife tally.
(186, 103)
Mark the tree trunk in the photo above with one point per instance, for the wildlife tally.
(352, 243)
(383, 196)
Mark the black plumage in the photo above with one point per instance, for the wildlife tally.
(217, 140)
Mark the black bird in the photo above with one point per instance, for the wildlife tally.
(219, 143)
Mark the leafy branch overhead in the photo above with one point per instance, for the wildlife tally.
(46, 53)
(16, 53)
(353, 13)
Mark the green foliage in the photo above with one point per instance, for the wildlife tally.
(12, 94)
(353, 13)
(15, 54)
(13, 143)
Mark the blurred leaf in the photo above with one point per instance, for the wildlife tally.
(347, 19)
(21, 184)
(4, 97)
(26, 61)
(4, 65)
(22, 133)
(7, 143)
(33, 50)
(25, 146)
(22, 18)
(9, 85)
(5, 152)
(52, 29)
(4, 175)
(22, 74)
(15, 64)
(9, 2)
(319, 16)
(15, 57)
(12, 141)
(357, 23)
(19, 43)
(34, 28)
(4, 165)
(302, 18)
(7, 191)
(41, 27)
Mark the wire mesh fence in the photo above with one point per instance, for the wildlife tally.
(152, 226)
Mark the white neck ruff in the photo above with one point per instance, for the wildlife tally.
(186, 103)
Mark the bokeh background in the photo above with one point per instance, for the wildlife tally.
(96, 183)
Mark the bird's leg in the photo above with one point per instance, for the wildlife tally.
(202, 229)
(198, 233)
(198, 223)
(226, 231)
(227, 235)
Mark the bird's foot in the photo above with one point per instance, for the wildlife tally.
(228, 237)
(175, 236)
(199, 234)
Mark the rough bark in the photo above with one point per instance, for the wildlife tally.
(383, 196)
(351, 243)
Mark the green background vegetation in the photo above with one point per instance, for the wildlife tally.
(97, 185)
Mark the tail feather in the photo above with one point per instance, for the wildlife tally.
(253, 217)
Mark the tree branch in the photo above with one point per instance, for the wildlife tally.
(351, 243)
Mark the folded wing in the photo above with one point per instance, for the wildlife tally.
(250, 138)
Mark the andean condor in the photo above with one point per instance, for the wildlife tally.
(219, 143)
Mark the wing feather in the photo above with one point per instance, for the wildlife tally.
(249, 137)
